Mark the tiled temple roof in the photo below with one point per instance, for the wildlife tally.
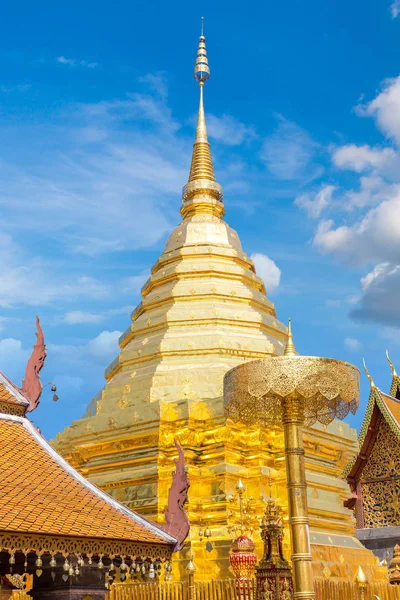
(41, 493)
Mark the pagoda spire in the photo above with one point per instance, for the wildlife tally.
(290, 349)
(202, 194)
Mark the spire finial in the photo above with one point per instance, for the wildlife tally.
(369, 375)
(394, 373)
(290, 350)
(202, 193)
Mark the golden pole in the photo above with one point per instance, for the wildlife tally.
(293, 421)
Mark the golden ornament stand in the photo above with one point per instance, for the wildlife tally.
(293, 390)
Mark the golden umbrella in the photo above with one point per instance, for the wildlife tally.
(293, 390)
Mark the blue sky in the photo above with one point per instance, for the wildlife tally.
(97, 105)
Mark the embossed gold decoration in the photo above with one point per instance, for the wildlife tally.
(293, 389)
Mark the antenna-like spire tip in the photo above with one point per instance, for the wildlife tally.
(201, 69)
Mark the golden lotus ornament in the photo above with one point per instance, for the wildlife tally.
(293, 390)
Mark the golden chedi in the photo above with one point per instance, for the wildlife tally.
(204, 310)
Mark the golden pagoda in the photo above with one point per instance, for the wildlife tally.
(204, 311)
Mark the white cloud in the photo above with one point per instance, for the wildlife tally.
(29, 280)
(395, 9)
(380, 299)
(373, 238)
(72, 62)
(104, 345)
(79, 196)
(361, 158)
(268, 271)
(79, 317)
(75, 317)
(289, 152)
(314, 206)
(352, 344)
(228, 130)
(385, 108)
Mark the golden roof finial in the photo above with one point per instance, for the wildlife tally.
(368, 375)
(202, 183)
(361, 577)
(290, 350)
(394, 373)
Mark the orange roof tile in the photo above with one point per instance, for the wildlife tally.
(392, 405)
(10, 393)
(42, 493)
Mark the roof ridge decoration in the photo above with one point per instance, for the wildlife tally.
(202, 194)
(18, 401)
(31, 385)
(176, 519)
(368, 374)
(395, 385)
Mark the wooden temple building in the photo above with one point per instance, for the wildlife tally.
(61, 537)
(374, 473)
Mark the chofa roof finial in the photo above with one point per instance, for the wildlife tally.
(394, 373)
(369, 375)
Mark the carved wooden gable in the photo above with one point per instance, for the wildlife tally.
(380, 480)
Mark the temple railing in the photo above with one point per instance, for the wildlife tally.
(226, 589)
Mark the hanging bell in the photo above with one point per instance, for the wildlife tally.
(100, 564)
(71, 571)
(152, 573)
(38, 562)
(112, 566)
(11, 560)
(53, 562)
(90, 562)
(143, 568)
(77, 572)
(53, 388)
(66, 566)
(123, 565)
